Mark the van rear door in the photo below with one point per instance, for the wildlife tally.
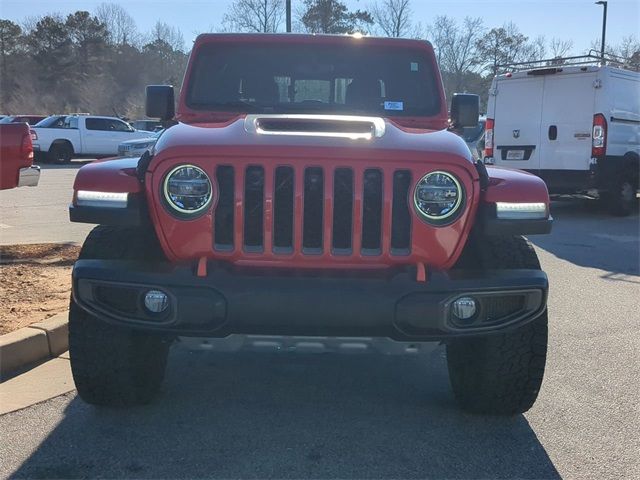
(565, 131)
(517, 113)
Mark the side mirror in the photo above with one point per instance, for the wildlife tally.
(160, 102)
(465, 110)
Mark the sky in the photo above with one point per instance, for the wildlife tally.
(578, 20)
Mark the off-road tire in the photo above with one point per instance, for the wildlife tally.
(113, 365)
(620, 200)
(60, 153)
(500, 374)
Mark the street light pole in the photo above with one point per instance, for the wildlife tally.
(288, 7)
(604, 28)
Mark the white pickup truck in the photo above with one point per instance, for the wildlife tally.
(65, 137)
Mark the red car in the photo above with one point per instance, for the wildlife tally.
(311, 196)
(16, 157)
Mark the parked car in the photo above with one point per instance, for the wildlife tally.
(82, 136)
(148, 125)
(135, 148)
(577, 127)
(474, 137)
(52, 121)
(16, 157)
(30, 119)
(311, 194)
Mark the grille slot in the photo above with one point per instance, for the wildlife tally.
(313, 211)
(223, 224)
(283, 210)
(342, 211)
(400, 215)
(372, 212)
(351, 224)
(254, 209)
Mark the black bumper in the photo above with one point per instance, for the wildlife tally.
(229, 301)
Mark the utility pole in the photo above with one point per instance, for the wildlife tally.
(288, 6)
(604, 29)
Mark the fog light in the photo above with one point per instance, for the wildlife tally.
(156, 301)
(464, 308)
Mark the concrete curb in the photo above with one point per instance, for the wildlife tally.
(33, 344)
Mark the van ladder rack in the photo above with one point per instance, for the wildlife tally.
(593, 58)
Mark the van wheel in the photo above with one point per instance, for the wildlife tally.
(61, 153)
(621, 199)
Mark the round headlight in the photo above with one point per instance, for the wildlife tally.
(438, 197)
(187, 189)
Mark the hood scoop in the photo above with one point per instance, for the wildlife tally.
(336, 126)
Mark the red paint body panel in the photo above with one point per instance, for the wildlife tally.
(508, 185)
(210, 145)
(210, 139)
(187, 115)
(14, 137)
(109, 175)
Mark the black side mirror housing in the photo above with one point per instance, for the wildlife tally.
(160, 102)
(465, 110)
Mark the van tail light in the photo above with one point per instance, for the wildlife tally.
(34, 135)
(26, 149)
(488, 138)
(599, 136)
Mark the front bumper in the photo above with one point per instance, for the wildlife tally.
(229, 301)
(29, 176)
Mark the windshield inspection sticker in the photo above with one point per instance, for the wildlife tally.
(394, 105)
(414, 66)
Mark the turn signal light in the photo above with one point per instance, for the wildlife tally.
(599, 136)
(27, 148)
(488, 138)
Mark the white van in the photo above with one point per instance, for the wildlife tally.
(577, 127)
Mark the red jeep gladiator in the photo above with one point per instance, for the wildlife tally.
(16, 157)
(313, 193)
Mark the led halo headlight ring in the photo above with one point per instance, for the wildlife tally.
(180, 209)
(445, 201)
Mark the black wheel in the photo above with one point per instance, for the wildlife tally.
(61, 153)
(621, 198)
(112, 365)
(500, 374)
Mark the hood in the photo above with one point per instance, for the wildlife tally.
(335, 136)
(140, 141)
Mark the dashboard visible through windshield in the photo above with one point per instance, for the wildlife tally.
(314, 79)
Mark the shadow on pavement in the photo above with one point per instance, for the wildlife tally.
(292, 416)
(586, 235)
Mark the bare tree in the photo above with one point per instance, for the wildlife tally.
(121, 26)
(438, 33)
(394, 18)
(456, 46)
(258, 16)
(629, 47)
(560, 48)
(539, 47)
(171, 36)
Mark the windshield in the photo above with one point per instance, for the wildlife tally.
(55, 120)
(314, 79)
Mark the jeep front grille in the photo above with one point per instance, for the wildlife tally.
(341, 211)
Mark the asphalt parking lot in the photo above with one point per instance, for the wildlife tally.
(326, 416)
